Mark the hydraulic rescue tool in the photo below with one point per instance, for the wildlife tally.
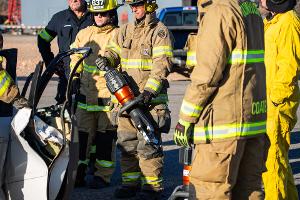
(119, 87)
(185, 158)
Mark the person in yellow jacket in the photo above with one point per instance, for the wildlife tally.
(223, 113)
(282, 60)
(144, 50)
(9, 92)
(97, 132)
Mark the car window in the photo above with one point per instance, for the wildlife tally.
(190, 18)
(173, 19)
(180, 18)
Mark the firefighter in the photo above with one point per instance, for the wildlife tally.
(282, 59)
(65, 25)
(9, 92)
(144, 50)
(223, 112)
(94, 105)
(190, 47)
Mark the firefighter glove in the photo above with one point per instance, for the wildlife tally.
(20, 102)
(102, 63)
(146, 97)
(75, 84)
(184, 132)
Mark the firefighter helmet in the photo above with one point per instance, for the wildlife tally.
(102, 5)
(150, 5)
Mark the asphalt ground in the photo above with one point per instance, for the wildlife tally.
(172, 169)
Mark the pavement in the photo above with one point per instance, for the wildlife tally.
(172, 169)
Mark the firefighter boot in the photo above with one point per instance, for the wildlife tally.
(126, 191)
(79, 182)
(92, 181)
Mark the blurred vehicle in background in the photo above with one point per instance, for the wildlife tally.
(181, 21)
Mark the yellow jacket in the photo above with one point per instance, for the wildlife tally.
(282, 57)
(94, 95)
(8, 90)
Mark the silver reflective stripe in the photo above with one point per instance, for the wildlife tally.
(229, 131)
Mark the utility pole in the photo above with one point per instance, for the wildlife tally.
(189, 2)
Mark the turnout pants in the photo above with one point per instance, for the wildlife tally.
(97, 142)
(230, 169)
(140, 163)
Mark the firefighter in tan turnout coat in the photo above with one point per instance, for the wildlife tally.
(223, 112)
(94, 103)
(143, 49)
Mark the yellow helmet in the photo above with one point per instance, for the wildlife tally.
(150, 5)
(102, 5)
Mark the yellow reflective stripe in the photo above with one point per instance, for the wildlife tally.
(161, 98)
(114, 99)
(246, 56)
(5, 81)
(143, 64)
(85, 162)
(94, 108)
(92, 69)
(131, 177)
(153, 84)
(162, 50)
(45, 35)
(105, 163)
(150, 180)
(190, 109)
(93, 149)
(191, 58)
(1, 59)
(113, 46)
(229, 131)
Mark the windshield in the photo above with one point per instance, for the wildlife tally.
(180, 18)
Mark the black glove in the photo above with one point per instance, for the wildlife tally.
(102, 63)
(20, 102)
(146, 97)
(75, 85)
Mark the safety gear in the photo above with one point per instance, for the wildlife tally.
(221, 112)
(8, 90)
(282, 47)
(146, 97)
(280, 6)
(183, 135)
(144, 51)
(190, 47)
(81, 169)
(125, 191)
(150, 5)
(20, 102)
(96, 6)
(94, 104)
